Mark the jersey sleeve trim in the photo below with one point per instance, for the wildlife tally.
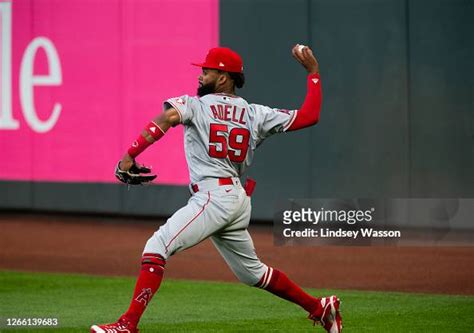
(177, 109)
(290, 121)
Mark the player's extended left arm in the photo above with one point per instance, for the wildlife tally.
(152, 132)
(308, 114)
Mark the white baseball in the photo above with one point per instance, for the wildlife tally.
(301, 47)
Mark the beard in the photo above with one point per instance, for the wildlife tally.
(206, 89)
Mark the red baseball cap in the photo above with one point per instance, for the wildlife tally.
(224, 59)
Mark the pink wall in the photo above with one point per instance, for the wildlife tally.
(119, 60)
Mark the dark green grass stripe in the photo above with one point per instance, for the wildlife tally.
(197, 306)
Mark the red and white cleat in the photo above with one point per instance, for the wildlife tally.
(328, 314)
(123, 325)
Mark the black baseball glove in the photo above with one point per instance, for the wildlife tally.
(136, 175)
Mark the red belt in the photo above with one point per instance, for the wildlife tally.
(222, 181)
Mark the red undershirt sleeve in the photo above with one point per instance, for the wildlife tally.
(308, 114)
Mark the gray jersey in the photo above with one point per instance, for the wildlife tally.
(222, 132)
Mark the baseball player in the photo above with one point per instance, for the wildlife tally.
(221, 134)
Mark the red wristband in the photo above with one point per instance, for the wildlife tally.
(154, 130)
(138, 146)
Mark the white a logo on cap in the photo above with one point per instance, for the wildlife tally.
(221, 64)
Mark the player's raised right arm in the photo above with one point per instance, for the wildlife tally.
(308, 114)
(151, 133)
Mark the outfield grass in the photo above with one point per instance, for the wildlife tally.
(192, 306)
